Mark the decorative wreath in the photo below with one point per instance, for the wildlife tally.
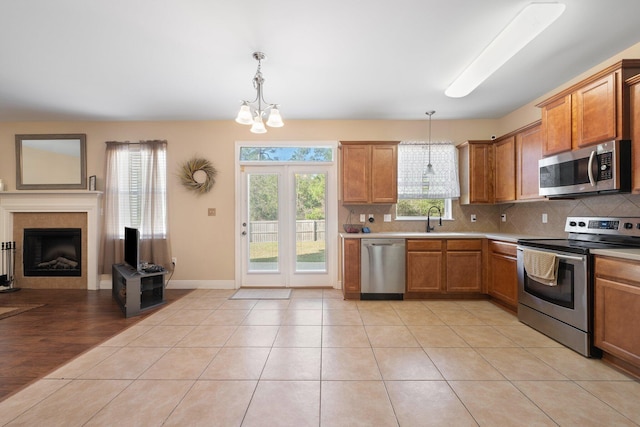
(198, 174)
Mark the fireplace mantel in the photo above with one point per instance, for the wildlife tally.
(12, 202)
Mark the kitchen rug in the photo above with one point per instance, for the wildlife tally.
(9, 311)
(262, 294)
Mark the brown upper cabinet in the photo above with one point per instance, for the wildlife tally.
(505, 169)
(634, 85)
(596, 118)
(556, 126)
(528, 152)
(592, 111)
(369, 172)
(476, 161)
(516, 168)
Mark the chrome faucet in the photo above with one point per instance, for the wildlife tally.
(429, 228)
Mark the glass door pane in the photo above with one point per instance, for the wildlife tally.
(264, 217)
(284, 214)
(310, 246)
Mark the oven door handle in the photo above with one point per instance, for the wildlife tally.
(567, 257)
(592, 157)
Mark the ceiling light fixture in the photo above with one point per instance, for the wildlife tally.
(252, 112)
(429, 165)
(526, 26)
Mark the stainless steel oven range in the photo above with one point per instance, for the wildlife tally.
(564, 310)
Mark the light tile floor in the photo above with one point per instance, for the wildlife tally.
(318, 360)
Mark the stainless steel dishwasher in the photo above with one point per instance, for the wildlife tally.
(382, 269)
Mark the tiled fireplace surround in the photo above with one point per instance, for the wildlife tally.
(47, 209)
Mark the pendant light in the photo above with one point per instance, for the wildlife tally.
(429, 165)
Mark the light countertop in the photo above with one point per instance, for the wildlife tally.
(507, 237)
(632, 254)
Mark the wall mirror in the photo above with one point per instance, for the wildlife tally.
(51, 162)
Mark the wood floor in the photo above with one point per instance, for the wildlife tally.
(36, 342)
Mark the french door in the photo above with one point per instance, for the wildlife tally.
(288, 222)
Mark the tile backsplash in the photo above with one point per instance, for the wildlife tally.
(526, 218)
(488, 219)
(521, 218)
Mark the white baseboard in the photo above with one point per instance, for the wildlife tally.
(201, 284)
(105, 283)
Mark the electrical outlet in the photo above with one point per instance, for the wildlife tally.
(387, 217)
(371, 219)
(545, 218)
(363, 218)
(212, 212)
(174, 261)
(473, 218)
(503, 217)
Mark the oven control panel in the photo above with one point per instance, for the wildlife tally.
(619, 226)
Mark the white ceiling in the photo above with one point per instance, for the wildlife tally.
(330, 59)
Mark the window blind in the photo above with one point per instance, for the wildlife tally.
(413, 180)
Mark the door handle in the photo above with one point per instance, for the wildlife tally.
(592, 156)
(565, 257)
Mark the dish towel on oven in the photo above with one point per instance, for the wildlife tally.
(541, 267)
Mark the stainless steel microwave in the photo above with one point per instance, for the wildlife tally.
(603, 168)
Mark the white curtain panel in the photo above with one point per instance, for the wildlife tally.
(136, 196)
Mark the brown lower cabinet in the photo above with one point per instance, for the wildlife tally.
(351, 268)
(444, 267)
(617, 311)
(424, 266)
(464, 265)
(503, 273)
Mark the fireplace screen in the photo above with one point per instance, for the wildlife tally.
(52, 252)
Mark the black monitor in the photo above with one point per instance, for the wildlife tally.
(132, 247)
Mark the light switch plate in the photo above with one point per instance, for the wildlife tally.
(362, 218)
(387, 217)
(545, 218)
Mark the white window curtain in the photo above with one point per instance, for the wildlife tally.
(413, 180)
(136, 196)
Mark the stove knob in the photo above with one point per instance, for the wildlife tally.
(638, 226)
(628, 225)
(582, 224)
(573, 223)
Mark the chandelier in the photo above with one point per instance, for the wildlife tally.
(253, 112)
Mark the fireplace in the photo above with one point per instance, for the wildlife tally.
(54, 209)
(52, 252)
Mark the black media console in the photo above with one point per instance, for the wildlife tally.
(136, 292)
